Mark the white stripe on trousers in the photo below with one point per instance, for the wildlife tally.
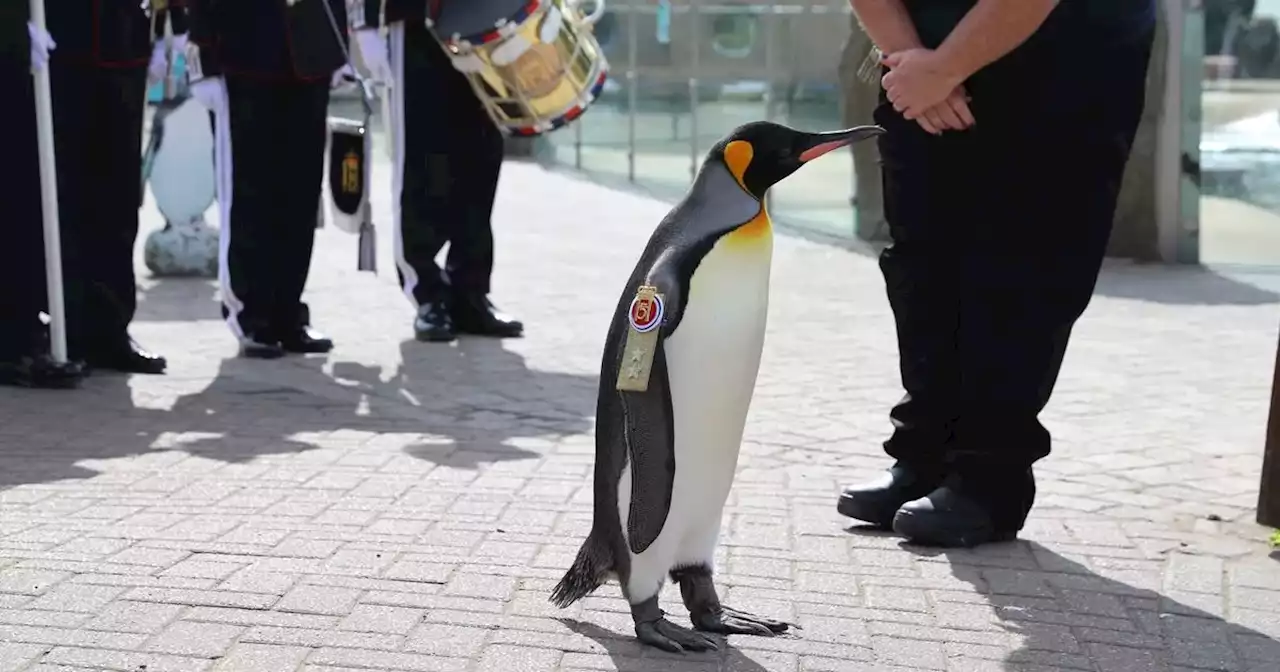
(397, 93)
(223, 173)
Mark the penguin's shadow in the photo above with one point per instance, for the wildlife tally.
(626, 652)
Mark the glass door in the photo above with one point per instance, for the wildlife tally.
(1239, 117)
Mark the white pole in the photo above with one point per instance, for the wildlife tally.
(49, 200)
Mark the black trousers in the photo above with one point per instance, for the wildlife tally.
(448, 157)
(97, 115)
(22, 279)
(270, 150)
(98, 133)
(999, 233)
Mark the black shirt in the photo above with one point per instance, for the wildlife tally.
(1121, 19)
(1087, 21)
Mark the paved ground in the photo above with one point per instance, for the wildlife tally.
(400, 506)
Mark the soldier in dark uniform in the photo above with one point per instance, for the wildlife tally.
(448, 155)
(265, 68)
(1009, 124)
(97, 74)
(24, 340)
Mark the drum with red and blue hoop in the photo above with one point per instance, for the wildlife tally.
(535, 64)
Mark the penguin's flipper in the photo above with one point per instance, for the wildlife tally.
(647, 423)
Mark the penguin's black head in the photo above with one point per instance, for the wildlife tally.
(761, 154)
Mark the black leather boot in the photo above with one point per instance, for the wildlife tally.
(473, 313)
(40, 371)
(256, 347)
(877, 501)
(305, 340)
(126, 356)
(433, 323)
(952, 517)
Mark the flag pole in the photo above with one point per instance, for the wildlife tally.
(49, 200)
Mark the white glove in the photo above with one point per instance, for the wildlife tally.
(340, 75)
(159, 67)
(41, 44)
(373, 50)
(210, 92)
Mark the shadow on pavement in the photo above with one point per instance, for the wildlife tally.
(101, 421)
(1187, 286)
(628, 654)
(479, 396)
(1063, 614)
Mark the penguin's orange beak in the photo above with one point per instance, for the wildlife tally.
(822, 143)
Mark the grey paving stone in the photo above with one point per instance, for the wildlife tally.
(374, 618)
(198, 640)
(319, 600)
(139, 617)
(258, 657)
(15, 657)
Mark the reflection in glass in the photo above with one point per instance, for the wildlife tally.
(685, 72)
(1240, 141)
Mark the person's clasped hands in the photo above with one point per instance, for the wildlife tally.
(923, 89)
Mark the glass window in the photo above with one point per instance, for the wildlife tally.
(683, 73)
(1240, 133)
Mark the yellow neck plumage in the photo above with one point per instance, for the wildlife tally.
(737, 156)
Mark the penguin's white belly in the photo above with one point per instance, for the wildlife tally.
(712, 361)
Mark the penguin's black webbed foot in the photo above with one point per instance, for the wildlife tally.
(655, 630)
(727, 621)
(708, 615)
(670, 637)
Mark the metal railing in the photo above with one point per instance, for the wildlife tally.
(700, 68)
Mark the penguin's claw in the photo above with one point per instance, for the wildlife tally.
(728, 621)
(670, 637)
(774, 626)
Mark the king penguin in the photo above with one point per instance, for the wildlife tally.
(676, 380)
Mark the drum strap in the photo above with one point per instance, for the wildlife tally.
(366, 92)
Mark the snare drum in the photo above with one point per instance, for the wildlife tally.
(533, 63)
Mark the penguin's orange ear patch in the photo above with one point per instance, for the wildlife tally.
(738, 155)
